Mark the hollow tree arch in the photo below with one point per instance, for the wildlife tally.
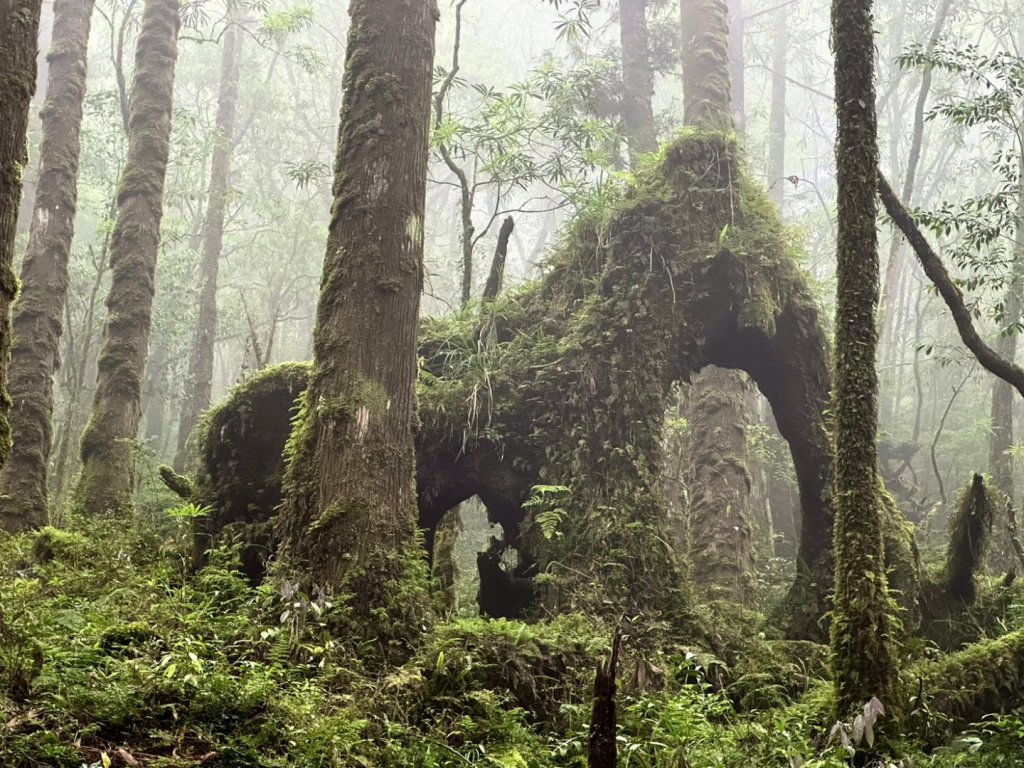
(572, 393)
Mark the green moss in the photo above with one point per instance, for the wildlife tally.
(53, 544)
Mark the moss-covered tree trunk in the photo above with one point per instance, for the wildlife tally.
(637, 79)
(720, 533)
(107, 479)
(39, 311)
(862, 643)
(349, 517)
(199, 383)
(19, 25)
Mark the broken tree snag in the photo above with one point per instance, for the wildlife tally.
(497, 274)
(936, 271)
(969, 531)
(603, 751)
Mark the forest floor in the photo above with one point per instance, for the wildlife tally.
(114, 653)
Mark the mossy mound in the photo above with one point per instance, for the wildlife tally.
(543, 666)
(67, 547)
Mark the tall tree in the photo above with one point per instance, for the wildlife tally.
(19, 25)
(349, 517)
(720, 534)
(199, 383)
(1001, 437)
(107, 480)
(39, 312)
(862, 643)
(637, 79)
(777, 112)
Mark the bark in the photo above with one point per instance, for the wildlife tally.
(156, 396)
(603, 746)
(39, 312)
(107, 479)
(863, 658)
(19, 26)
(707, 96)
(736, 79)
(349, 519)
(777, 114)
(637, 79)
(720, 533)
(199, 382)
(497, 274)
(720, 536)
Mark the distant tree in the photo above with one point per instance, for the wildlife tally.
(39, 311)
(107, 479)
(199, 383)
(19, 25)
(349, 518)
(864, 663)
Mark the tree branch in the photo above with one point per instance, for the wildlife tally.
(936, 271)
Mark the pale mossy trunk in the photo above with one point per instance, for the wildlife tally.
(199, 381)
(349, 517)
(864, 663)
(106, 483)
(39, 311)
(637, 79)
(19, 26)
(720, 533)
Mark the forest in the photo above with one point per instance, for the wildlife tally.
(521, 384)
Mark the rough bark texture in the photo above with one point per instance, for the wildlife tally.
(496, 277)
(19, 26)
(637, 79)
(39, 311)
(706, 64)
(349, 520)
(720, 538)
(199, 382)
(720, 533)
(107, 479)
(862, 642)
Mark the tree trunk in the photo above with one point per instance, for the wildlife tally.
(720, 533)
(349, 517)
(777, 115)
(19, 25)
(720, 538)
(736, 79)
(707, 92)
(107, 479)
(199, 383)
(637, 79)
(863, 659)
(39, 312)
